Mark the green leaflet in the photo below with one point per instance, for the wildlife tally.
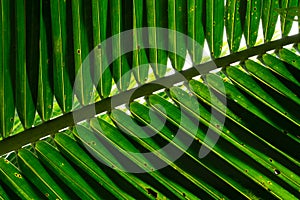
(173, 113)
(123, 144)
(208, 97)
(7, 104)
(195, 29)
(177, 41)
(205, 117)
(140, 61)
(73, 151)
(91, 141)
(290, 57)
(233, 157)
(252, 19)
(148, 117)
(12, 177)
(45, 78)
(140, 112)
(265, 75)
(278, 66)
(26, 84)
(285, 17)
(3, 195)
(289, 13)
(96, 146)
(121, 68)
(62, 55)
(202, 92)
(233, 94)
(32, 48)
(269, 18)
(142, 138)
(100, 70)
(215, 26)
(83, 82)
(247, 83)
(158, 55)
(133, 154)
(64, 170)
(38, 176)
(233, 24)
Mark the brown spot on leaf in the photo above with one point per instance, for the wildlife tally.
(18, 175)
(151, 192)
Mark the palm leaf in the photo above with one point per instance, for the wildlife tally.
(230, 134)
